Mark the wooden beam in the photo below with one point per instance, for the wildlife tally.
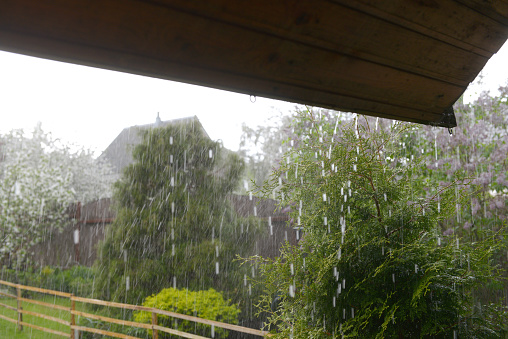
(400, 59)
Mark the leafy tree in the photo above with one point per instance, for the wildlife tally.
(479, 146)
(175, 226)
(39, 178)
(373, 262)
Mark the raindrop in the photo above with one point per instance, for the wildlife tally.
(216, 251)
(292, 269)
(325, 221)
(250, 195)
(76, 237)
(124, 255)
(127, 283)
(171, 140)
(174, 282)
(333, 301)
(344, 284)
(343, 313)
(172, 182)
(173, 250)
(438, 241)
(255, 211)
(172, 207)
(213, 331)
(352, 312)
(393, 277)
(416, 268)
(339, 253)
(324, 197)
(291, 291)
(245, 280)
(385, 196)
(216, 267)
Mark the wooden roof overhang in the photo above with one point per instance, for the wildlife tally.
(401, 59)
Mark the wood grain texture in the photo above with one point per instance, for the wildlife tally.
(408, 60)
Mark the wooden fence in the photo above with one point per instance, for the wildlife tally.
(73, 328)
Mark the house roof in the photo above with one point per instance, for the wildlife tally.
(119, 153)
(407, 60)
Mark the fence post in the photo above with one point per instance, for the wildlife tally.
(155, 333)
(20, 308)
(73, 320)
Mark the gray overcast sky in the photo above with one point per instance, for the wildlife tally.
(90, 106)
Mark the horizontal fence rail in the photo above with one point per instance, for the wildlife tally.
(73, 328)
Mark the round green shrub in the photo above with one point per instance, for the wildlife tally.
(207, 304)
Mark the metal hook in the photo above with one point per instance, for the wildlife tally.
(450, 130)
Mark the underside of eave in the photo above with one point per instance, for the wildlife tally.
(400, 60)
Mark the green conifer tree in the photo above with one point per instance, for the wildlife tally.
(372, 262)
(175, 226)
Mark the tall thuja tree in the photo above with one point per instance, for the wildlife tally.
(372, 262)
(175, 226)
(39, 177)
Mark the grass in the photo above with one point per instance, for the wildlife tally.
(9, 330)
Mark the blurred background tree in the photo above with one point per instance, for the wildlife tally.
(175, 226)
(39, 178)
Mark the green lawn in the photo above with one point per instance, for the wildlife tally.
(9, 330)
